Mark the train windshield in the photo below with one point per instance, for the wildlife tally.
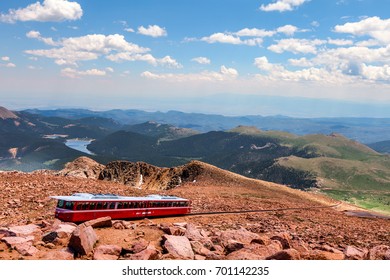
(65, 204)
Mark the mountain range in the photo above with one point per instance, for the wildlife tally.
(327, 162)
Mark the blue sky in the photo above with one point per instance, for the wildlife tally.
(190, 55)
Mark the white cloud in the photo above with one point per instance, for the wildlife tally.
(282, 5)
(201, 60)
(277, 72)
(128, 56)
(296, 46)
(373, 26)
(225, 74)
(376, 73)
(129, 30)
(288, 29)
(5, 58)
(49, 10)
(73, 73)
(254, 32)
(301, 62)
(10, 65)
(152, 30)
(231, 39)
(340, 42)
(88, 47)
(37, 35)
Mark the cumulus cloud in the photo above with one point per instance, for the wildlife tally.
(10, 65)
(288, 29)
(88, 47)
(231, 39)
(153, 31)
(49, 10)
(224, 74)
(296, 46)
(128, 56)
(254, 32)
(374, 27)
(5, 58)
(37, 35)
(201, 60)
(73, 73)
(282, 5)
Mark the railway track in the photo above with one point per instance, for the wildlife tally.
(262, 210)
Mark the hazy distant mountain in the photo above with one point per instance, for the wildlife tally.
(365, 130)
(163, 132)
(381, 147)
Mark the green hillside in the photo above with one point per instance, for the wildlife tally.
(332, 164)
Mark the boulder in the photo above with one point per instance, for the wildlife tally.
(287, 254)
(241, 235)
(12, 241)
(178, 246)
(100, 222)
(192, 233)
(325, 255)
(137, 245)
(381, 252)
(284, 238)
(26, 249)
(199, 248)
(107, 252)
(354, 253)
(25, 230)
(243, 254)
(150, 253)
(65, 254)
(83, 240)
(233, 245)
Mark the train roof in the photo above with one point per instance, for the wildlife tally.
(111, 197)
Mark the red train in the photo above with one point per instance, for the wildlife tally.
(81, 207)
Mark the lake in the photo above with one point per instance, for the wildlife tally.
(79, 145)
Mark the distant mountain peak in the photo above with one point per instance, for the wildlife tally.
(242, 129)
(7, 114)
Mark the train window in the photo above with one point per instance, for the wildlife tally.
(99, 205)
(60, 204)
(126, 205)
(84, 206)
(78, 206)
(112, 205)
(120, 205)
(69, 205)
(105, 205)
(92, 205)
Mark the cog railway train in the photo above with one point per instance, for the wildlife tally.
(81, 207)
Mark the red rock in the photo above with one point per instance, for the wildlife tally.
(242, 235)
(178, 246)
(287, 254)
(233, 245)
(136, 246)
(381, 252)
(100, 222)
(149, 254)
(284, 238)
(26, 249)
(199, 249)
(243, 254)
(192, 233)
(354, 253)
(58, 255)
(324, 255)
(83, 240)
(107, 252)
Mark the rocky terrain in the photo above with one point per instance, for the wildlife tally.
(28, 229)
